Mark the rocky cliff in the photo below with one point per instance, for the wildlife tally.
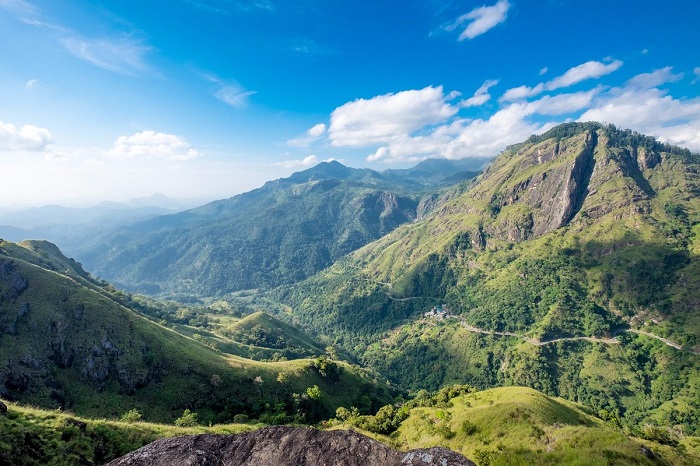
(284, 446)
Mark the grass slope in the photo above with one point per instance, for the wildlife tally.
(517, 425)
(35, 437)
(505, 426)
(65, 342)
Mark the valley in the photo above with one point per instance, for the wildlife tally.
(554, 291)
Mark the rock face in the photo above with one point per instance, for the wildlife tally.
(284, 446)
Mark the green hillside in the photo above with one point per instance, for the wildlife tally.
(67, 343)
(500, 426)
(569, 239)
(515, 426)
(36, 437)
(262, 329)
(280, 233)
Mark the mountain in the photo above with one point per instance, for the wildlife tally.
(280, 233)
(73, 227)
(569, 266)
(71, 342)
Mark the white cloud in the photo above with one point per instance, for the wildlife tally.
(122, 55)
(481, 96)
(482, 137)
(652, 112)
(696, 72)
(317, 130)
(544, 71)
(563, 103)
(414, 125)
(462, 138)
(311, 135)
(481, 20)
(230, 92)
(306, 162)
(654, 79)
(28, 138)
(18, 6)
(588, 70)
(30, 84)
(153, 144)
(378, 120)
(521, 92)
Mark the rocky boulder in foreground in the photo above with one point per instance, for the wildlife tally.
(284, 446)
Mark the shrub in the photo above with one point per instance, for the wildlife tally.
(188, 419)
(131, 416)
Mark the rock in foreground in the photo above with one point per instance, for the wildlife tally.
(284, 446)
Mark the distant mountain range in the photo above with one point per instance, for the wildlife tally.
(283, 232)
(74, 226)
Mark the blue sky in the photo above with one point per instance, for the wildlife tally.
(204, 99)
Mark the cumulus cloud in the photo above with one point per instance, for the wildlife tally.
(654, 79)
(563, 104)
(381, 119)
(544, 71)
(123, 55)
(311, 135)
(483, 137)
(436, 128)
(652, 112)
(480, 20)
(481, 96)
(230, 92)
(575, 75)
(153, 144)
(28, 138)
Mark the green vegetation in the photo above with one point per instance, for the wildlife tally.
(34, 437)
(281, 233)
(515, 425)
(579, 247)
(67, 342)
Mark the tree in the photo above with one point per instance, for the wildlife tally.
(132, 416)
(188, 419)
(314, 392)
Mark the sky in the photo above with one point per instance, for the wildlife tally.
(204, 99)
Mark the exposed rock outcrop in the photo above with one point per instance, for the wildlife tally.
(284, 446)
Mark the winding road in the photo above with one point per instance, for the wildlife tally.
(470, 328)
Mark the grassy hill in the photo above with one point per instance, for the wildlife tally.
(569, 239)
(516, 425)
(36, 437)
(69, 343)
(505, 426)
